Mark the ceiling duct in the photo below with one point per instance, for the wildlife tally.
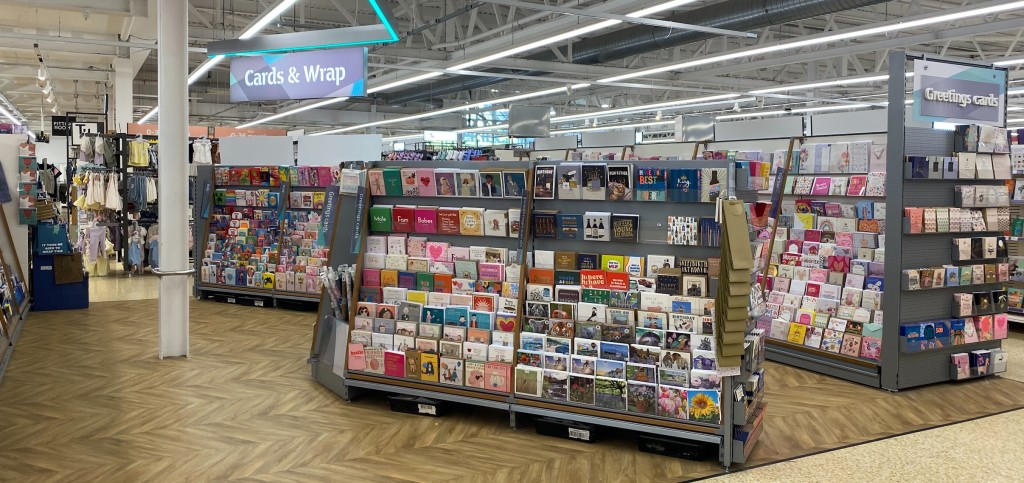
(742, 15)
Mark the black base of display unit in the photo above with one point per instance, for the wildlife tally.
(237, 297)
(563, 428)
(677, 448)
(417, 405)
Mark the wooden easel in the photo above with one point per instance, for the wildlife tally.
(780, 187)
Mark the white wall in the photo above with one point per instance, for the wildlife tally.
(19, 233)
(56, 151)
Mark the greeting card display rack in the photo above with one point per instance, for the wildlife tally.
(206, 186)
(519, 244)
(740, 424)
(904, 370)
(811, 354)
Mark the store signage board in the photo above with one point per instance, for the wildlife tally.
(955, 93)
(80, 129)
(61, 125)
(299, 75)
(154, 130)
(233, 132)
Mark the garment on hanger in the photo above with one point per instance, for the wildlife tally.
(138, 191)
(153, 240)
(201, 151)
(153, 154)
(138, 153)
(113, 197)
(47, 179)
(151, 190)
(136, 240)
(85, 149)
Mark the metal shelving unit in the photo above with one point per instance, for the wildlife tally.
(201, 209)
(349, 384)
(904, 370)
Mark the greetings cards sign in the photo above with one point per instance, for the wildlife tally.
(300, 75)
(959, 94)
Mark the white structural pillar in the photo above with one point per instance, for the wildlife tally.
(123, 93)
(172, 90)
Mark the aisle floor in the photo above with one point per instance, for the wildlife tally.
(85, 399)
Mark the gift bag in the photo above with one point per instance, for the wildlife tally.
(67, 268)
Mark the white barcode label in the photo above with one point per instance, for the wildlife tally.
(427, 409)
(231, 300)
(579, 434)
(258, 303)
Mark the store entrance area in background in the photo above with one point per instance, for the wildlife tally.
(243, 406)
(120, 285)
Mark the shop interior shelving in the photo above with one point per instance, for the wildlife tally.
(331, 339)
(202, 209)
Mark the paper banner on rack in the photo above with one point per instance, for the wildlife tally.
(329, 213)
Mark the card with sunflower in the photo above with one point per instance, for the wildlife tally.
(704, 406)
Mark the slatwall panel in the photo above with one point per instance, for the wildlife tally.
(929, 250)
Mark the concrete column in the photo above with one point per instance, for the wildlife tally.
(123, 93)
(172, 94)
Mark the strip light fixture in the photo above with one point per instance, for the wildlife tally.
(449, 110)
(959, 15)
(835, 82)
(10, 116)
(211, 62)
(685, 103)
(568, 35)
(1014, 92)
(612, 127)
(293, 111)
(793, 111)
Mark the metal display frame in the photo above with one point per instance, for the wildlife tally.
(201, 230)
(349, 384)
(901, 370)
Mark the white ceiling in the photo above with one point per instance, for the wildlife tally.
(101, 30)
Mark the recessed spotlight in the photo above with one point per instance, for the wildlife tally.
(605, 106)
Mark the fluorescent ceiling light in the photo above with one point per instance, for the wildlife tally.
(449, 110)
(403, 82)
(568, 35)
(612, 127)
(1015, 121)
(204, 68)
(836, 82)
(266, 19)
(10, 116)
(794, 111)
(1009, 62)
(293, 111)
(694, 102)
(144, 118)
(961, 14)
(1015, 108)
(1014, 92)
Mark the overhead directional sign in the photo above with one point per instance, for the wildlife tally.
(299, 75)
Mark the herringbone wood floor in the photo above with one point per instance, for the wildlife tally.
(86, 399)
